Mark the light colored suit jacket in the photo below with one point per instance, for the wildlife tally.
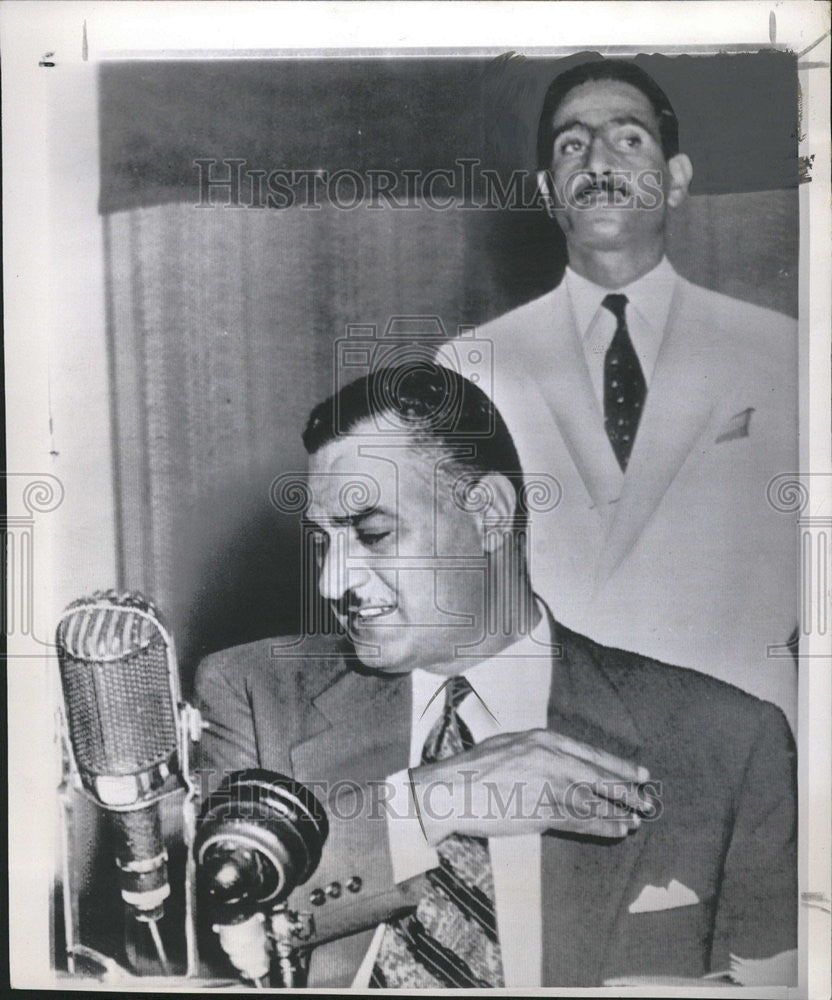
(684, 560)
(713, 874)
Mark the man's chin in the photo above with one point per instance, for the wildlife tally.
(379, 657)
(603, 232)
(609, 227)
(600, 219)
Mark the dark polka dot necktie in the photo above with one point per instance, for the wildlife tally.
(451, 939)
(624, 385)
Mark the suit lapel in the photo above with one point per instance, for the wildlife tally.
(361, 730)
(680, 404)
(584, 881)
(565, 385)
(358, 729)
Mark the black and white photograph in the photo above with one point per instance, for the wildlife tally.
(419, 497)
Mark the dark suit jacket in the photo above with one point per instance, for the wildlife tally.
(726, 829)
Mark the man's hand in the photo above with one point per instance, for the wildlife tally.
(247, 946)
(530, 782)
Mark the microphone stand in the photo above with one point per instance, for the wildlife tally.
(189, 730)
(294, 932)
(68, 896)
(287, 928)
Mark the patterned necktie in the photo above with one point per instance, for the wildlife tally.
(624, 385)
(451, 940)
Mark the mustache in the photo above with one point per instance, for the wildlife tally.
(344, 604)
(348, 603)
(613, 183)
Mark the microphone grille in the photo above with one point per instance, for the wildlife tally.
(119, 691)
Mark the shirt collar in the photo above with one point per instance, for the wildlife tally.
(512, 687)
(651, 295)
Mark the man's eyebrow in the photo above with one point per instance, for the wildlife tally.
(620, 120)
(349, 520)
(634, 120)
(567, 126)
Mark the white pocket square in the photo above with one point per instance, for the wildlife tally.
(656, 897)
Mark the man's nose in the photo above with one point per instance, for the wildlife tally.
(340, 571)
(599, 159)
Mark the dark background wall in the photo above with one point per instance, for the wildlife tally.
(737, 113)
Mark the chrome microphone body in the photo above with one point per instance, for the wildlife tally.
(121, 694)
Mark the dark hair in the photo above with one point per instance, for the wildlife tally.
(435, 405)
(606, 69)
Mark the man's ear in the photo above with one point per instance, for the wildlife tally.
(544, 186)
(497, 517)
(681, 174)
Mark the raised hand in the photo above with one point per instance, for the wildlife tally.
(530, 782)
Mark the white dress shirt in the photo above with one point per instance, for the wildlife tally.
(647, 312)
(515, 686)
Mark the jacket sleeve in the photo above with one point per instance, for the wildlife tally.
(756, 915)
(354, 883)
(228, 741)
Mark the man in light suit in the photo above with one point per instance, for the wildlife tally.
(582, 813)
(663, 409)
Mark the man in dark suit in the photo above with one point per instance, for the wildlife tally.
(664, 409)
(570, 813)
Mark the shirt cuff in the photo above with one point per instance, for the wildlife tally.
(410, 853)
